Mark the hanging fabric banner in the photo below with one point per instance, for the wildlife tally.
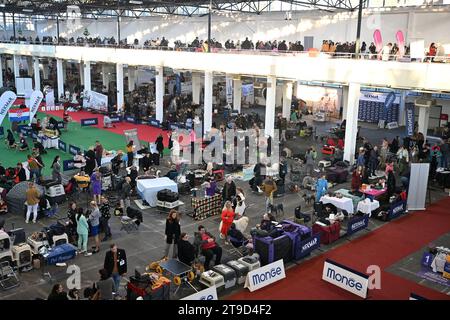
(229, 89)
(35, 102)
(6, 101)
(409, 121)
(400, 43)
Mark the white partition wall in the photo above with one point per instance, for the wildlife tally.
(60, 77)
(119, 79)
(270, 106)
(159, 90)
(37, 74)
(208, 102)
(87, 76)
(237, 94)
(287, 99)
(351, 129)
(424, 117)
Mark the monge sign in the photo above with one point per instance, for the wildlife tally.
(345, 278)
(264, 276)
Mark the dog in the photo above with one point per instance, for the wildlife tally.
(274, 209)
(308, 198)
(241, 224)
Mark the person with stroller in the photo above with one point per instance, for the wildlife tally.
(208, 246)
(172, 233)
(104, 219)
(186, 250)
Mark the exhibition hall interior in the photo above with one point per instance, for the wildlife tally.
(219, 150)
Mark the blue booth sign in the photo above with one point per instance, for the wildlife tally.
(68, 165)
(33, 135)
(24, 129)
(356, 224)
(154, 123)
(308, 245)
(427, 259)
(73, 150)
(174, 126)
(396, 209)
(60, 124)
(409, 114)
(115, 119)
(130, 119)
(89, 122)
(2, 131)
(62, 145)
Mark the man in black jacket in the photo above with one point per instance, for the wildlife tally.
(116, 264)
(104, 219)
(186, 250)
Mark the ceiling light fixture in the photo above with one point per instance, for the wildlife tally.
(135, 2)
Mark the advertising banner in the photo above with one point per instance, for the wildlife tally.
(207, 294)
(418, 185)
(345, 278)
(95, 100)
(73, 150)
(379, 97)
(265, 275)
(309, 245)
(89, 122)
(356, 224)
(6, 101)
(410, 118)
(35, 102)
(68, 165)
(62, 145)
(229, 89)
(396, 210)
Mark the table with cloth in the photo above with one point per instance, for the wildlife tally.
(346, 193)
(367, 206)
(148, 188)
(341, 203)
(374, 193)
(49, 142)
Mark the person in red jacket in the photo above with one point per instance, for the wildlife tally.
(227, 219)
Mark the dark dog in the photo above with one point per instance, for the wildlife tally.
(274, 209)
(308, 198)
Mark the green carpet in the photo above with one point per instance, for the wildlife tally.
(82, 137)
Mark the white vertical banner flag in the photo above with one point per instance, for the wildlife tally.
(35, 102)
(6, 101)
(229, 89)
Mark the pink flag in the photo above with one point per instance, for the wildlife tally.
(400, 43)
(378, 40)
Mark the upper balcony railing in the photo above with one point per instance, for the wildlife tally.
(274, 52)
(312, 66)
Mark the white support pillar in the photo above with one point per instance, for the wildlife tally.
(105, 76)
(45, 71)
(81, 73)
(237, 94)
(87, 76)
(64, 67)
(60, 77)
(344, 102)
(37, 74)
(119, 81)
(16, 68)
(270, 106)
(132, 78)
(295, 89)
(196, 88)
(1, 71)
(424, 116)
(207, 117)
(159, 92)
(287, 99)
(351, 129)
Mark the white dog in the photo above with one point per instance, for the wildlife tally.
(241, 224)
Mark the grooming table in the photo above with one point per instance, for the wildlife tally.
(148, 188)
(178, 268)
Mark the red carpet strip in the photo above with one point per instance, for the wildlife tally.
(383, 247)
(145, 132)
